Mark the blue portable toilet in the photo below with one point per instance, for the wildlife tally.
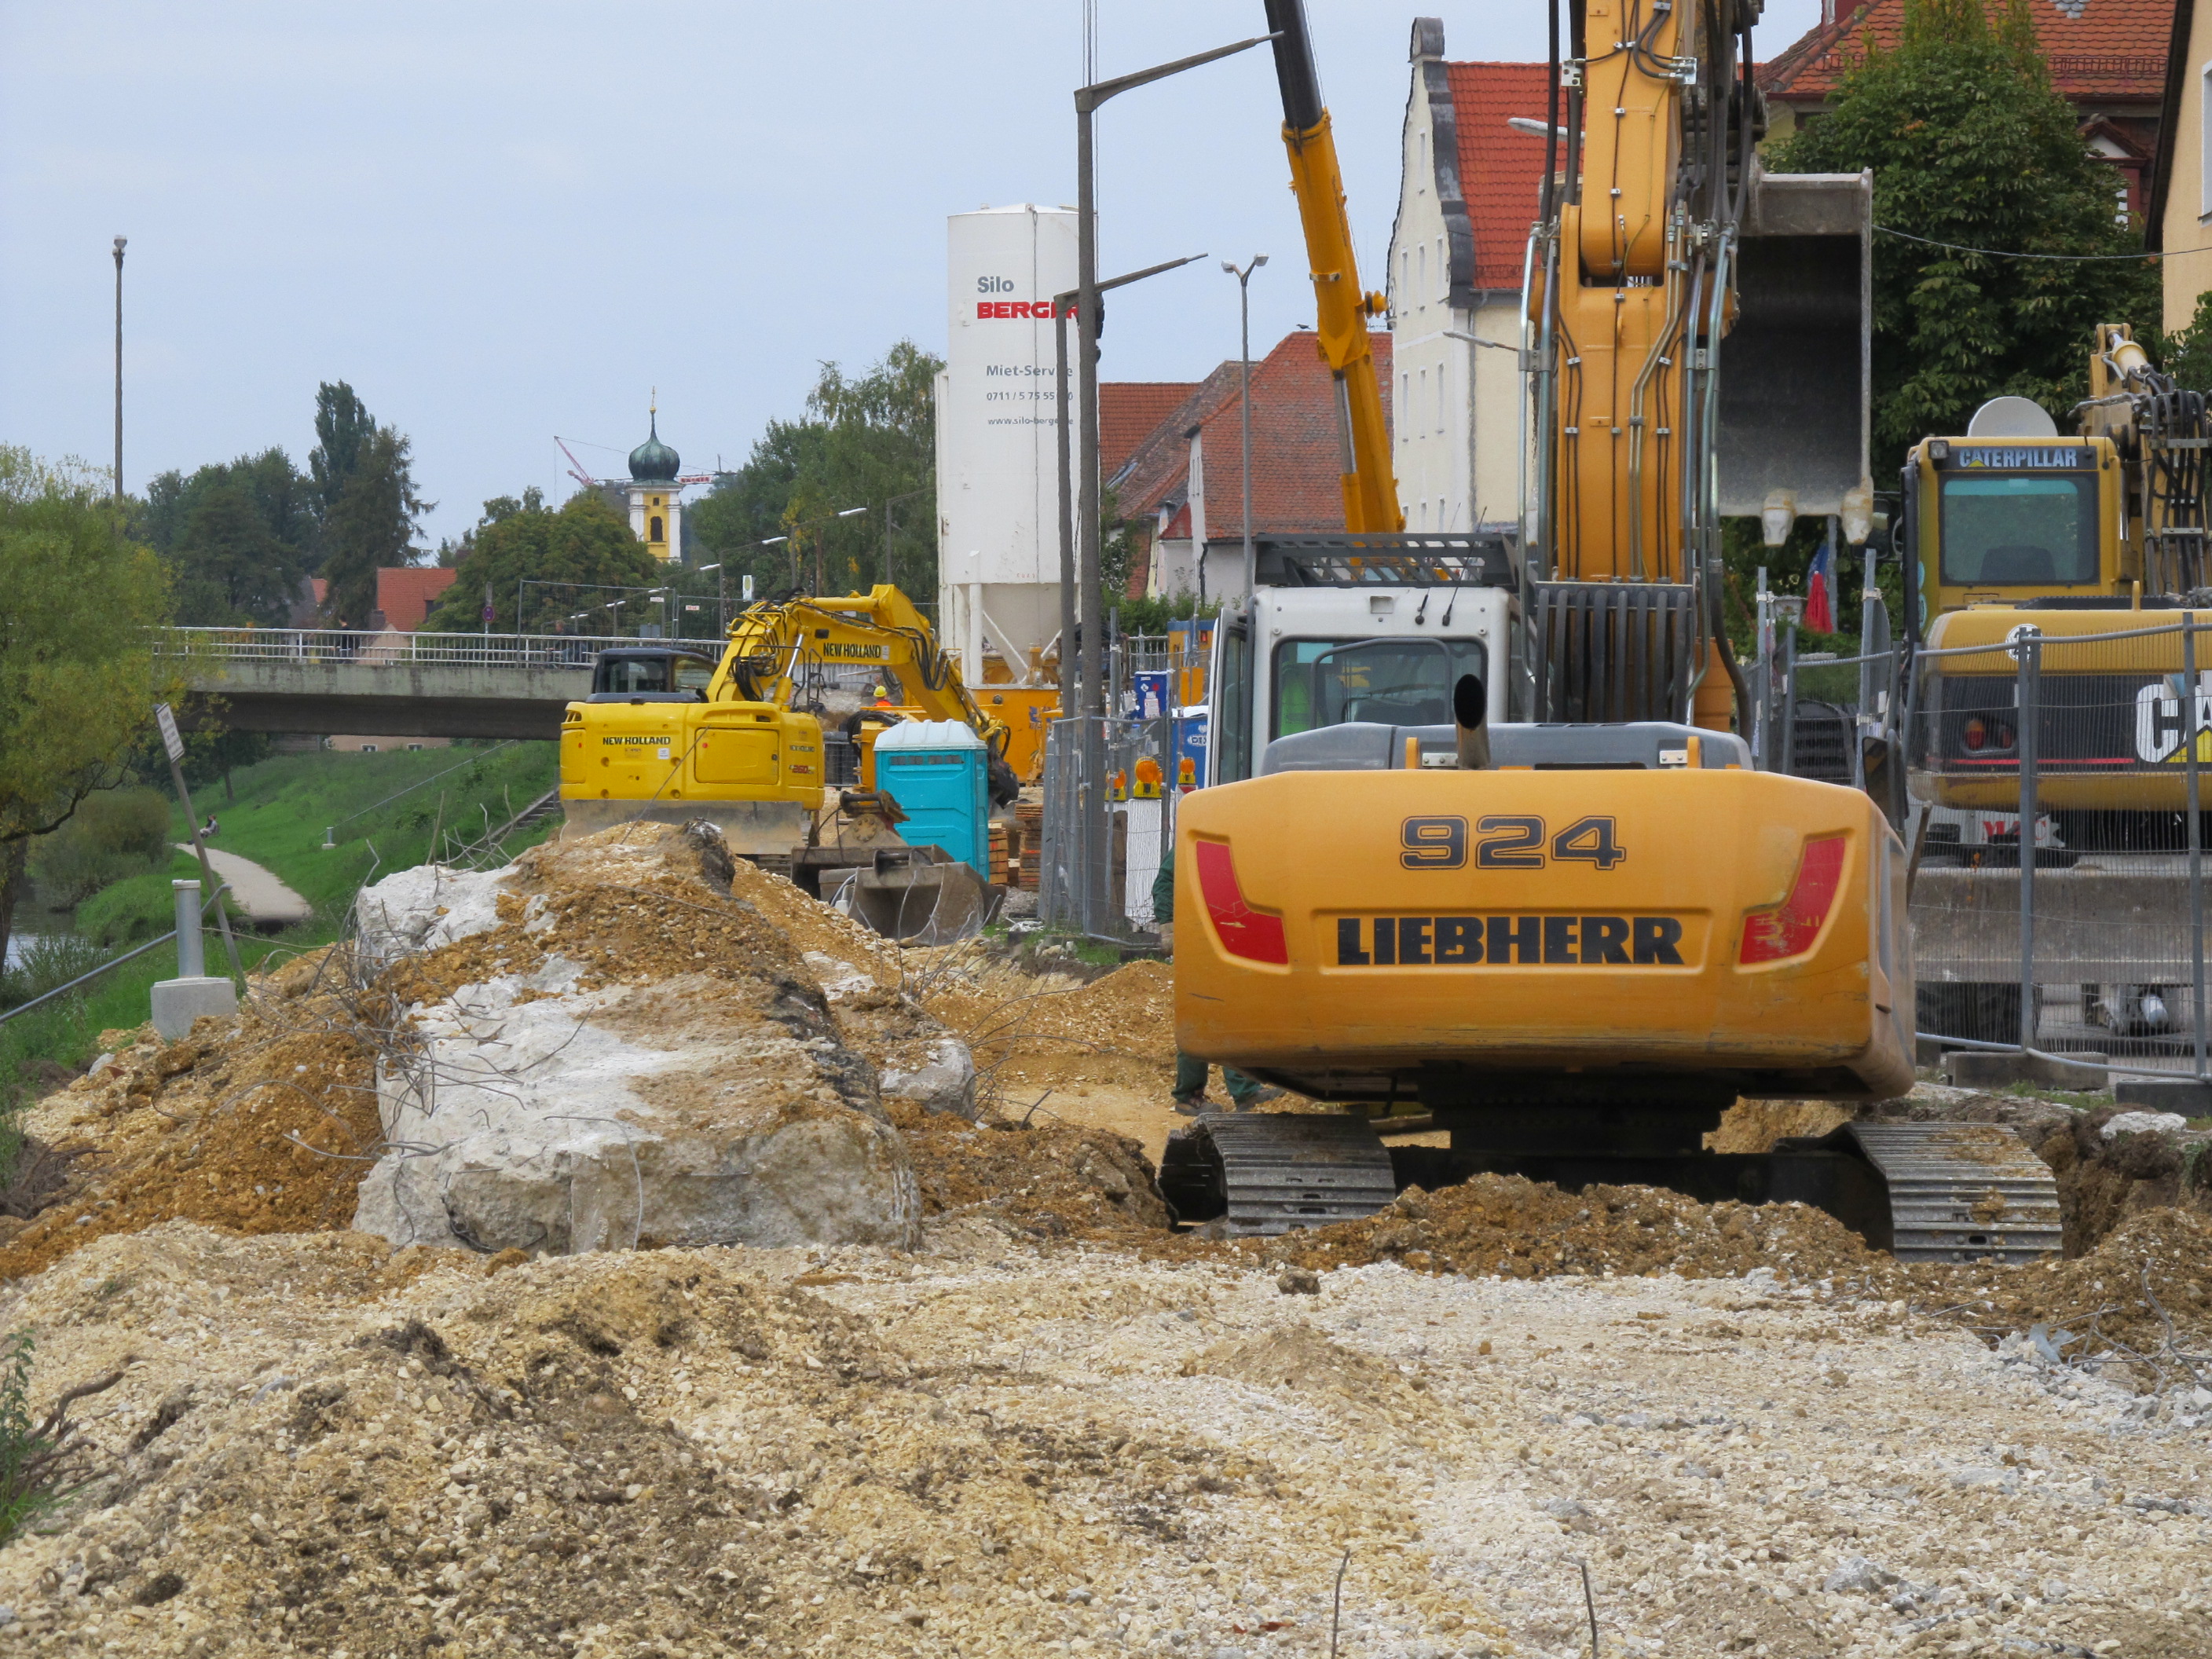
(938, 772)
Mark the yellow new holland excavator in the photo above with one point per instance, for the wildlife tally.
(668, 734)
(1576, 939)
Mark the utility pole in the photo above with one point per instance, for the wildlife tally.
(1087, 101)
(119, 366)
(1244, 412)
(1063, 307)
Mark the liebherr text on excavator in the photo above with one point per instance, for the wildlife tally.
(1576, 936)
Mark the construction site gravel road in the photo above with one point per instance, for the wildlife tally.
(1041, 1421)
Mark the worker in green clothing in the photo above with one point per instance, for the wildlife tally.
(1244, 1092)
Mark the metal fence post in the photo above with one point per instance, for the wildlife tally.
(191, 955)
(2028, 695)
(2190, 726)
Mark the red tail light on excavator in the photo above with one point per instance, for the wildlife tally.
(1788, 928)
(1254, 935)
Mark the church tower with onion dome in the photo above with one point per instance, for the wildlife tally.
(656, 513)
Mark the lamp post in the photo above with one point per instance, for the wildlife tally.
(798, 530)
(119, 366)
(888, 505)
(1061, 304)
(1244, 413)
(1087, 101)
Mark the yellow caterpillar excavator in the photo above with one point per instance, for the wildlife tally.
(2096, 540)
(1577, 940)
(670, 734)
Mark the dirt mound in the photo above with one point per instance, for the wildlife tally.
(1520, 1229)
(1050, 1179)
(261, 1127)
(2154, 1267)
(2105, 1180)
(1301, 1359)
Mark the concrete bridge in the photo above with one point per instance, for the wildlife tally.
(402, 685)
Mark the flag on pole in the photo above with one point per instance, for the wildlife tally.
(1819, 591)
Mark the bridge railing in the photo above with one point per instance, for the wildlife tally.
(388, 647)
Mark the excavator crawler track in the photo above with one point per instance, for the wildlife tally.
(1963, 1192)
(1268, 1172)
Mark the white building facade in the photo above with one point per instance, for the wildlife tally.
(1467, 198)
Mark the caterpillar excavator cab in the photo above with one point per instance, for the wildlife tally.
(1576, 936)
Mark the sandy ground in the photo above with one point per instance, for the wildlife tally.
(320, 1448)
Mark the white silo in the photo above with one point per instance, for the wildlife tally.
(998, 479)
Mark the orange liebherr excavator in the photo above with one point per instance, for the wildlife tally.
(1577, 940)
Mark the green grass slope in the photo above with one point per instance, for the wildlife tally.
(385, 811)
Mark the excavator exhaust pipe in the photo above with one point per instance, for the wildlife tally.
(1470, 718)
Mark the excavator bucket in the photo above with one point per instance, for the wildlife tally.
(1794, 371)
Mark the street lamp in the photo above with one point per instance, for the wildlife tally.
(1244, 410)
(843, 513)
(1087, 101)
(119, 366)
(888, 505)
(1060, 304)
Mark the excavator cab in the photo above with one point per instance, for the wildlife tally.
(638, 674)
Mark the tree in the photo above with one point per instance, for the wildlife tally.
(1971, 145)
(229, 568)
(363, 474)
(78, 676)
(867, 440)
(238, 537)
(584, 550)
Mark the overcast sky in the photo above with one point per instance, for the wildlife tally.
(501, 221)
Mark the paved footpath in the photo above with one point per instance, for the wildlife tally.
(264, 899)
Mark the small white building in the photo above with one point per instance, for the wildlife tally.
(1469, 195)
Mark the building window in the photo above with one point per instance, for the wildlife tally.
(1421, 289)
(1440, 400)
(657, 534)
(1405, 406)
(1443, 521)
(1424, 390)
(1444, 271)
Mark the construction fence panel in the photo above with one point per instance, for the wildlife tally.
(2084, 936)
(1109, 813)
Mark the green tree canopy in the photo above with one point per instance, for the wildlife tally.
(868, 441)
(239, 537)
(363, 473)
(1971, 145)
(78, 677)
(584, 552)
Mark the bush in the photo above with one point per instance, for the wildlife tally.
(140, 908)
(42, 1461)
(47, 963)
(115, 834)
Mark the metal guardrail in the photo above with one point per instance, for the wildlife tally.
(390, 648)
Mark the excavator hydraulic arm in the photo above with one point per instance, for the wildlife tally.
(770, 644)
(1341, 308)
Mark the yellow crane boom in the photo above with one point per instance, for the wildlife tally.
(1341, 308)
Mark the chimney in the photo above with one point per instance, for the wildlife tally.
(1429, 38)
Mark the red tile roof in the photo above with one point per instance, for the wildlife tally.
(1296, 486)
(2100, 50)
(1501, 171)
(405, 593)
(1128, 412)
